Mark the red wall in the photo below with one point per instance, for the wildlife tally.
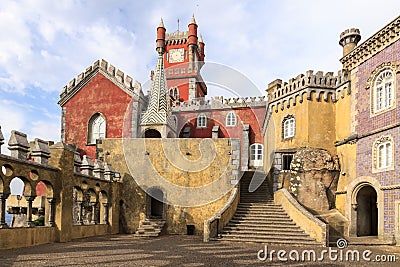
(98, 95)
(252, 116)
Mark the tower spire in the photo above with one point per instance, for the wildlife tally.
(158, 112)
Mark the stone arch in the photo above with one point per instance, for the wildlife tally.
(353, 190)
(156, 202)
(102, 131)
(151, 133)
(170, 135)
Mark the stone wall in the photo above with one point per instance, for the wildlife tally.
(195, 176)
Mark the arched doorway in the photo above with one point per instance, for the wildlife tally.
(367, 212)
(152, 133)
(156, 204)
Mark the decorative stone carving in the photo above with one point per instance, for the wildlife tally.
(87, 166)
(40, 151)
(98, 170)
(18, 145)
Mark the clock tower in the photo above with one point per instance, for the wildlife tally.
(183, 59)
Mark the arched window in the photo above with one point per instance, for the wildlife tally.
(97, 128)
(383, 95)
(201, 120)
(256, 155)
(288, 127)
(383, 154)
(231, 119)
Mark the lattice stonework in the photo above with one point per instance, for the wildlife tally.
(375, 154)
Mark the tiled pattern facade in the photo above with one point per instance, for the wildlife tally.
(367, 123)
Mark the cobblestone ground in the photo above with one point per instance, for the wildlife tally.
(126, 250)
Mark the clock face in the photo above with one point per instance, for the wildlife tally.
(176, 55)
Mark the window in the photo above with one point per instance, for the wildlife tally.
(288, 127)
(383, 154)
(97, 128)
(202, 121)
(286, 160)
(231, 119)
(383, 91)
(256, 155)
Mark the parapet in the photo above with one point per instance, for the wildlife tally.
(278, 89)
(218, 102)
(176, 38)
(38, 152)
(117, 76)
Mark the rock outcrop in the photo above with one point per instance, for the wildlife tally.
(313, 178)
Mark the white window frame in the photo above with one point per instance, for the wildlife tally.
(201, 121)
(231, 119)
(384, 91)
(289, 128)
(96, 128)
(384, 155)
(256, 155)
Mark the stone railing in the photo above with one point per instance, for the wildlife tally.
(57, 169)
(219, 102)
(221, 218)
(310, 224)
(116, 75)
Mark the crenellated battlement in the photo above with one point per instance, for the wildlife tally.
(277, 90)
(324, 86)
(177, 37)
(117, 76)
(219, 102)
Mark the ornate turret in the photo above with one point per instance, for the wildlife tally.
(158, 113)
(161, 38)
(349, 40)
(192, 38)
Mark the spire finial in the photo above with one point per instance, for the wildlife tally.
(161, 24)
(193, 20)
(200, 39)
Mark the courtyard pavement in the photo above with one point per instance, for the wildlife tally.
(127, 250)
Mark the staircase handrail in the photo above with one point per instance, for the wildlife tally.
(213, 225)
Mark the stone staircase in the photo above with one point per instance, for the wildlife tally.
(259, 219)
(151, 227)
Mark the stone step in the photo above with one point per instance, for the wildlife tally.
(261, 217)
(270, 227)
(275, 237)
(262, 224)
(259, 233)
(255, 221)
(258, 213)
(270, 241)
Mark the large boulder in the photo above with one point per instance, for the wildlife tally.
(314, 176)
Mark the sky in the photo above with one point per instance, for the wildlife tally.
(45, 43)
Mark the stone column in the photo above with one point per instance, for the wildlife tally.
(93, 219)
(80, 213)
(105, 218)
(3, 198)
(51, 211)
(1, 139)
(245, 147)
(29, 200)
